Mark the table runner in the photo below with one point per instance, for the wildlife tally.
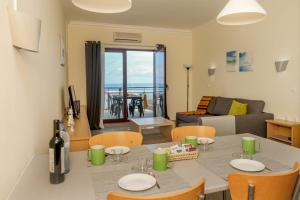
(219, 154)
(105, 178)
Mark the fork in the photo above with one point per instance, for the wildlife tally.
(157, 184)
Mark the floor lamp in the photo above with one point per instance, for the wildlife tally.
(187, 67)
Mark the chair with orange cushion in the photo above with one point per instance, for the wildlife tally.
(279, 186)
(120, 138)
(194, 193)
(180, 133)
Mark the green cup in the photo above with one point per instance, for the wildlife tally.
(160, 160)
(96, 155)
(191, 140)
(249, 146)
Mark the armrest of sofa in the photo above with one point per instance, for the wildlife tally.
(253, 123)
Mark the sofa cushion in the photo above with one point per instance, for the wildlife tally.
(211, 105)
(238, 108)
(188, 118)
(203, 104)
(222, 106)
(254, 106)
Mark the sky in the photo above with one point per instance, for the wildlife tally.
(139, 67)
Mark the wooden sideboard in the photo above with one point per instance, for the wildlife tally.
(82, 133)
(283, 131)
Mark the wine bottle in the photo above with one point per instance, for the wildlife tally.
(56, 156)
(65, 136)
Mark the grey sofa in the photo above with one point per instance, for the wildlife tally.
(253, 122)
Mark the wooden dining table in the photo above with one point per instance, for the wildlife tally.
(94, 182)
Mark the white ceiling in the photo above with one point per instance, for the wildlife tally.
(179, 14)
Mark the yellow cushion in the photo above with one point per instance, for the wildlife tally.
(238, 108)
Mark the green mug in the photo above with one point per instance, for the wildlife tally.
(96, 155)
(160, 160)
(250, 146)
(191, 140)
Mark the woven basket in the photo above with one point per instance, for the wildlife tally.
(184, 156)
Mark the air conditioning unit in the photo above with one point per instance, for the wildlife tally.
(127, 37)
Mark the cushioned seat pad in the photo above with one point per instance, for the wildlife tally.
(189, 118)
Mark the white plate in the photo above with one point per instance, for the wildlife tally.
(247, 165)
(117, 150)
(209, 140)
(137, 182)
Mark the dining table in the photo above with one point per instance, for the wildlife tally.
(89, 182)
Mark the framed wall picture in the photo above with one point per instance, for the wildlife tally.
(231, 61)
(246, 62)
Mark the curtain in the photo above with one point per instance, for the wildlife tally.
(93, 82)
(102, 86)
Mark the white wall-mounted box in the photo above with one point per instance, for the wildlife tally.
(25, 30)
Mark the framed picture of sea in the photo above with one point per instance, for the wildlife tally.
(231, 61)
(246, 62)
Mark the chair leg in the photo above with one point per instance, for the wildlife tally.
(251, 190)
(296, 190)
(224, 195)
(202, 197)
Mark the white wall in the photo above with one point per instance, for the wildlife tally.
(31, 86)
(275, 38)
(179, 52)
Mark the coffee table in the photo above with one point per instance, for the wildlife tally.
(165, 126)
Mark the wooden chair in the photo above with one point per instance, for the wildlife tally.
(120, 138)
(180, 133)
(194, 193)
(281, 186)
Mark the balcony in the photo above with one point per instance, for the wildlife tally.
(140, 103)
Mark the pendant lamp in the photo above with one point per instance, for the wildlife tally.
(241, 12)
(103, 6)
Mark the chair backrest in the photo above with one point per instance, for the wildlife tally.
(120, 138)
(189, 194)
(264, 186)
(180, 133)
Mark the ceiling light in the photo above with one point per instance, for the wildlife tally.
(241, 12)
(103, 6)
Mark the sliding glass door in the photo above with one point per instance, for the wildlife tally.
(135, 84)
(159, 79)
(114, 85)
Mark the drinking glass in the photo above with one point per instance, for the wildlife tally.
(242, 154)
(118, 156)
(143, 165)
(204, 143)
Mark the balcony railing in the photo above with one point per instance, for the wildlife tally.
(139, 102)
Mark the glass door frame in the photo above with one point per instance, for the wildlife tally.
(125, 110)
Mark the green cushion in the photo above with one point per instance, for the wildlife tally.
(238, 108)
